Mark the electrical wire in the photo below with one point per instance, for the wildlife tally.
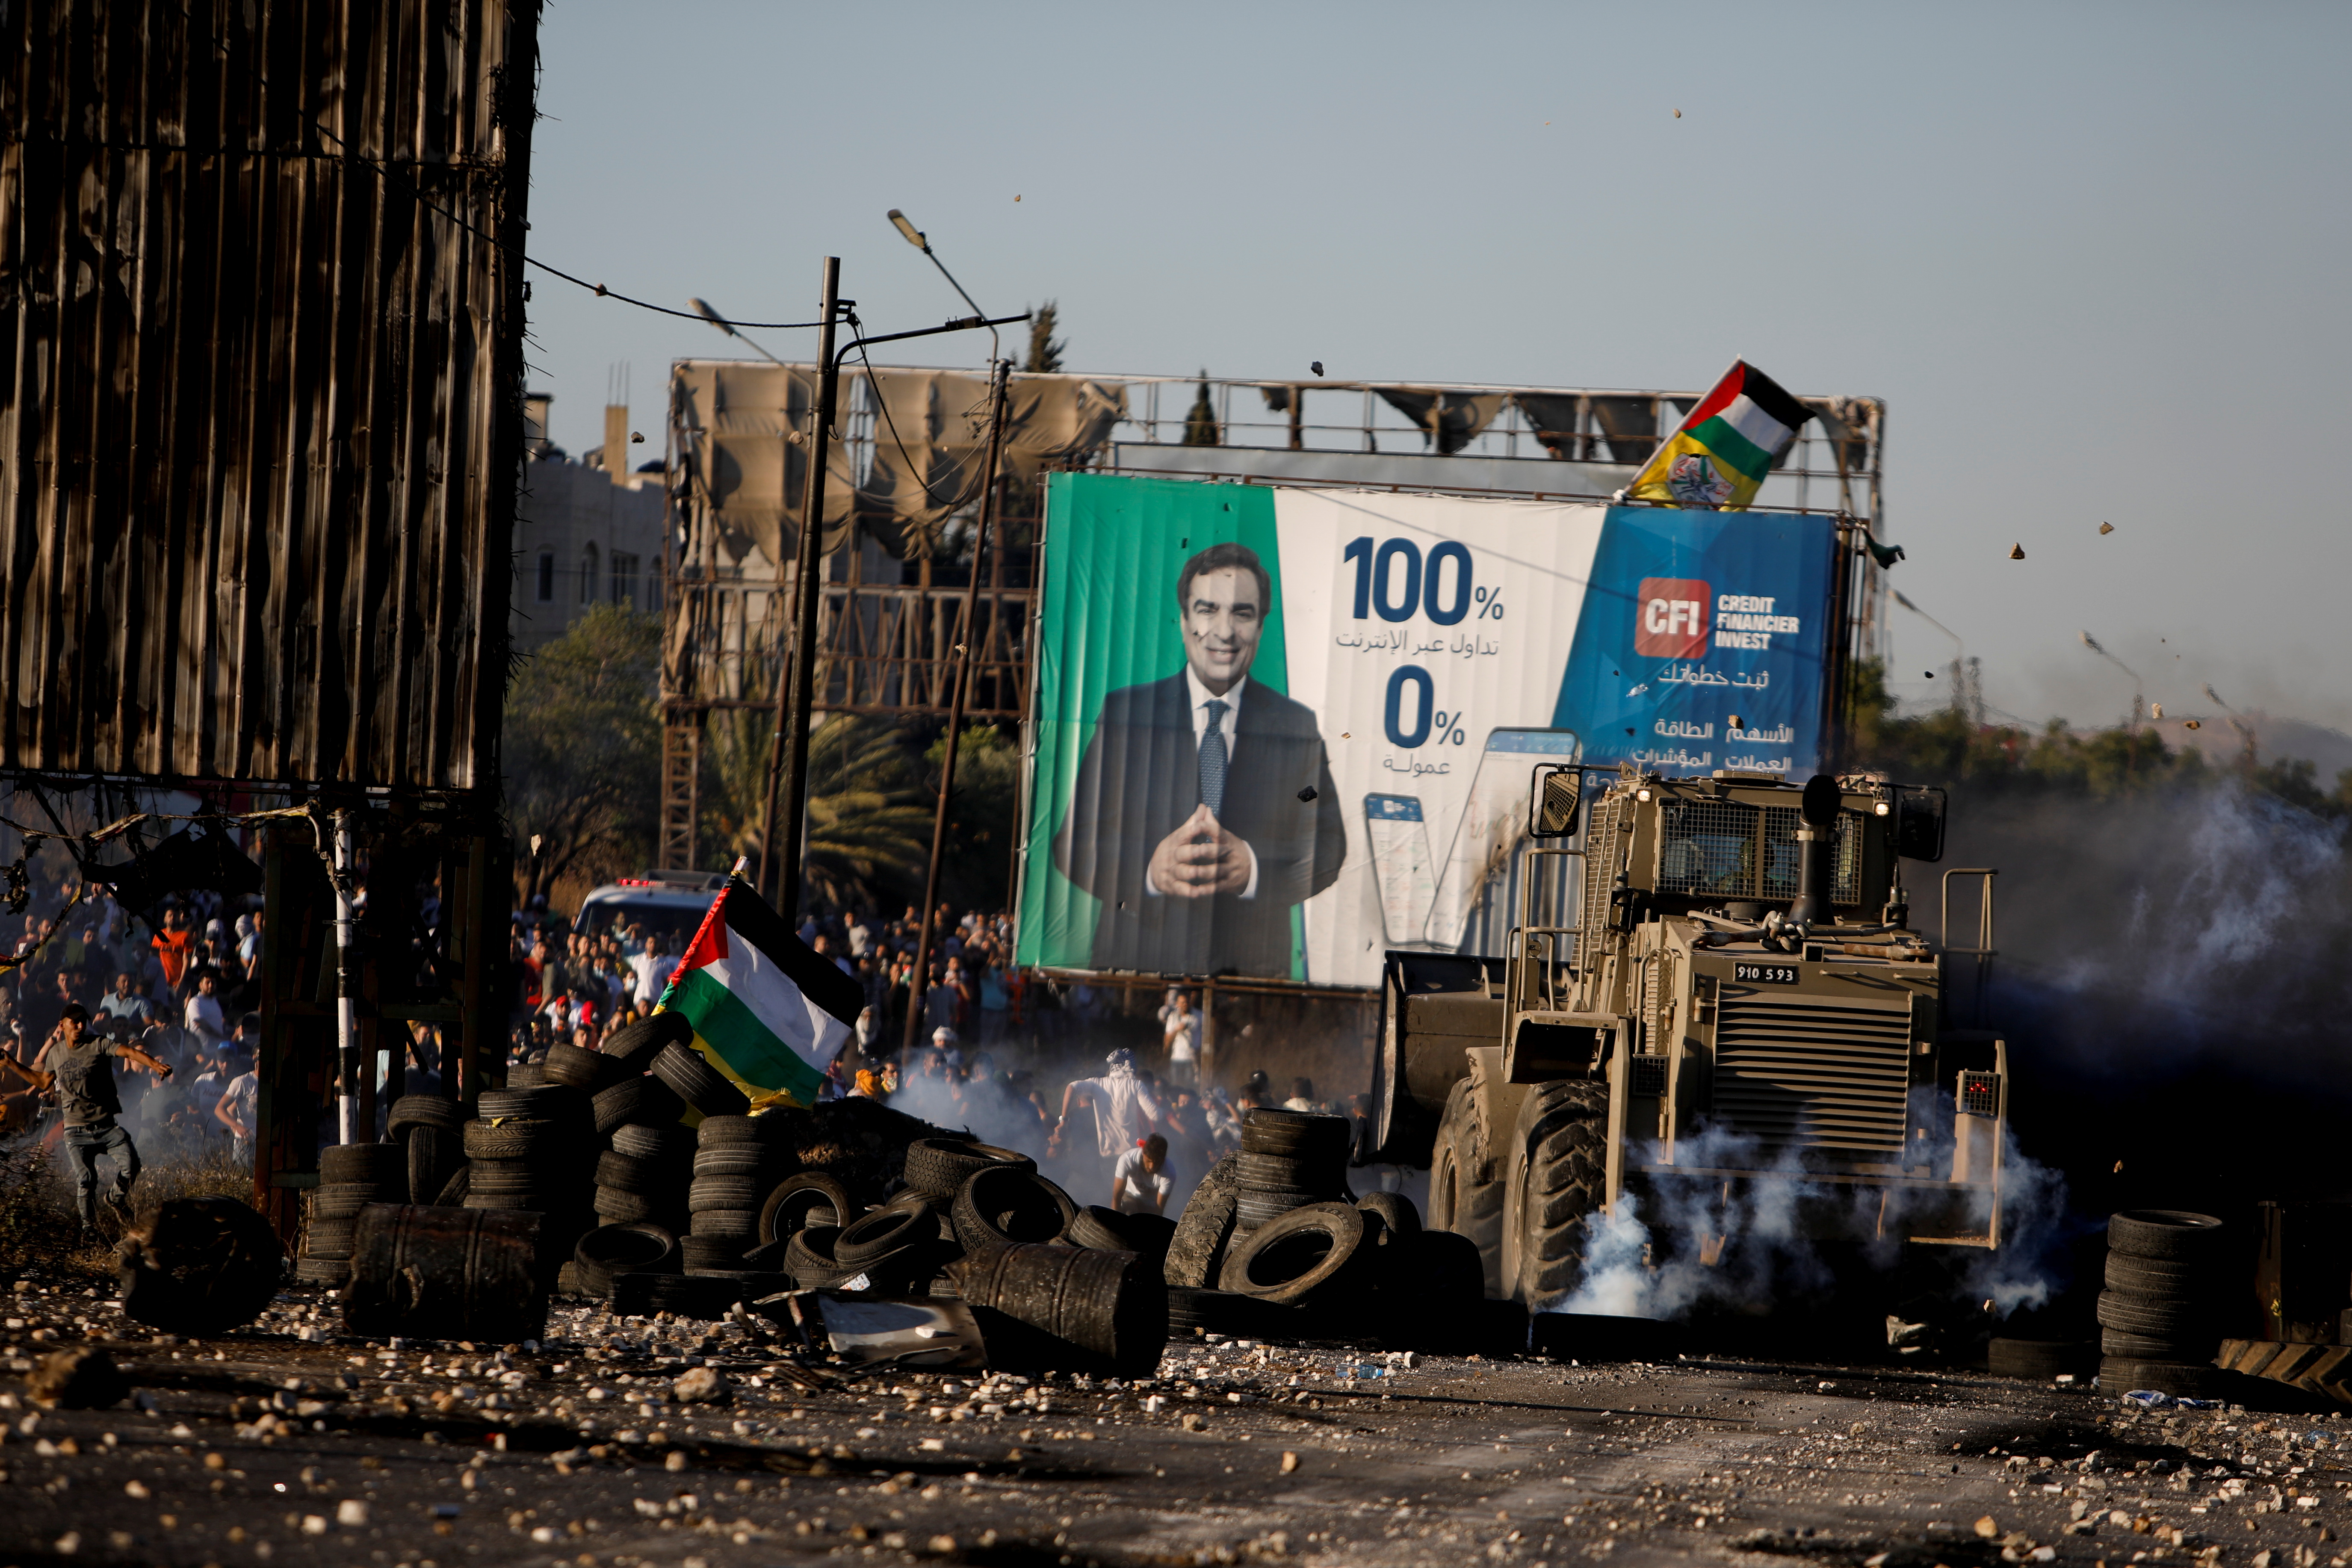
(421, 199)
(884, 405)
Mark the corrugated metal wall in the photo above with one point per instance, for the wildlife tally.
(262, 413)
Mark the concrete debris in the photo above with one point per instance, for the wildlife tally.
(702, 1385)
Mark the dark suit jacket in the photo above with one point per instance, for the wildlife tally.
(1142, 777)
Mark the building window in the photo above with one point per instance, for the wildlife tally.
(588, 575)
(624, 579)
(547, 577)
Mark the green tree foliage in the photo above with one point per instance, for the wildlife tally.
(1044, 349)
(870, 823)
(983, 817)
(583, 746)
(1201, 422)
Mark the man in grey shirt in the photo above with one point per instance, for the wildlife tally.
(80, 1067)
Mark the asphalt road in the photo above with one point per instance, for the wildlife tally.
(266, 1447)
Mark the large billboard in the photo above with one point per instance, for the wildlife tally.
(1280, 729)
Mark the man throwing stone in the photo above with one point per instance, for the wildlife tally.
(80, 1067)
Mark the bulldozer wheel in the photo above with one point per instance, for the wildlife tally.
(1559, 1165)
(1464, 1196)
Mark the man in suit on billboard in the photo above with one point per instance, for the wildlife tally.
(1205, 809)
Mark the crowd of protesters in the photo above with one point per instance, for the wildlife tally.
(113, 1032)
(173, 1005)
(1137, 1132)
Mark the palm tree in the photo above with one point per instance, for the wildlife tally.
(868, 829)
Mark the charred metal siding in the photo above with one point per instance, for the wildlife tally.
(260, 416)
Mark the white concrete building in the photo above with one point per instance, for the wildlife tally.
(583, 533)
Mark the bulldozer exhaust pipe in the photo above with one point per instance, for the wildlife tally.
(1816, 846)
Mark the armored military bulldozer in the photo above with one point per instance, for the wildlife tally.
(1713, 1015)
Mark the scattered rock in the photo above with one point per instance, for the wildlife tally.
(77, 1380)
(1987, 1527)
(1290, 1462)
(701, 1386)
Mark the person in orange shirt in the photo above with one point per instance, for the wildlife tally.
(172, 944)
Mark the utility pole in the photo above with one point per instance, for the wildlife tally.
(347, 987)
(796, 685)
(959, 691)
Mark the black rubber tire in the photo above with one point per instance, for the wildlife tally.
(2181, 1379)
(611, 1249)
(635, 1045)
(1067, 1308)
(432, 1152)
(1255, 1207)
(1196, 1253)
(627, 1208)
(871, 1237)
(741, 1193)
(549, 1102)
(938, 1167)
(377, 1165)
(2137, 1275)
(1556, 1179)
(329, 1271)
(341, 1200)
(1296, 1134)
(453, 1191)
(1148, 1235)
(413, 1110)
(327, 1237)
(514, 1139)
(585, 1071)
(1209, 1312)
(2175, 1234)
(669, 1145)
(2158, 1316)
(756, 1131)
(1466, 1192)
(526, 1074)
(697, 1082)
(797, 1201)
(1277, 1173)
(1097, 1227)
(1396, 1211)
(638, 1099)
(2038, 1360)
(734, 1160)
(702, 1252)
(1003, 1205)
(735, 1224)
(808, 1259)
(1430, 1292)
(2123, 1346)
(1306, 1252)
(626, 1173)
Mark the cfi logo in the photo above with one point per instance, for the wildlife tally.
(1670, 617)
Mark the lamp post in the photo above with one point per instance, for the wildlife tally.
(922, 242)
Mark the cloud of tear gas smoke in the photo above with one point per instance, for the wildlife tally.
(1686, 1247)
(986, 1110)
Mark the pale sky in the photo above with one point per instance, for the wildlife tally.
(2092, 255)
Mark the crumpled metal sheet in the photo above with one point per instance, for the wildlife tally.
(1461, 416)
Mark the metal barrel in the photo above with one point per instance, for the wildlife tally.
(1085, 1311)
(445, 1274)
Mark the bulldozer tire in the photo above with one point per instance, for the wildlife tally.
(1558, 1179)
(1465, 1195)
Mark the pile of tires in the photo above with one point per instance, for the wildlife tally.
(427, 1125)
(646, 1163)
(1288, 1160)
(351, 1177)
(2160, 1314)
(738, 1161)
(533, 1149)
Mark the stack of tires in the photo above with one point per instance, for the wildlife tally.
(2159, 1316)
(428, 1126)
(1067, 1309)
(351, 1177)
(533, 1149)
(644, 1169)
(737, 1162)
(1288, 1160)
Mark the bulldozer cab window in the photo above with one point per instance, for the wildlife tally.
(1728, 849)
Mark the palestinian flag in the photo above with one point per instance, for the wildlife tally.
(767, 1011)
(1720, 456)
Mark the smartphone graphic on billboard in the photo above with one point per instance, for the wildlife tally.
(1401, 864)
(1493, 819)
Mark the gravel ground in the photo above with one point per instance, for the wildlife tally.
(290, 1444)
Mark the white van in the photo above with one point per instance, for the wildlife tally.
(665, 903)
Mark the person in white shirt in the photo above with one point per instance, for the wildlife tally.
(1182, 1035)
(1123, 1106)
(1140, 1182)
(202, 1017)
(235, 1110)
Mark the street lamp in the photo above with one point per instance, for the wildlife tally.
(921, 241)
(703, 310)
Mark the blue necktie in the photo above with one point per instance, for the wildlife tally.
(1212, 759)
